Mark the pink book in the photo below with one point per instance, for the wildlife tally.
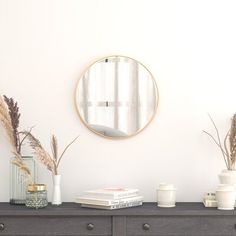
(111, 193)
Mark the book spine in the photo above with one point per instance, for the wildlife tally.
(117, 206)
(108, 202)
(123, 195)
(98, 202)
(111, 196)
(128, 204)
(125, 201)
(210, 203)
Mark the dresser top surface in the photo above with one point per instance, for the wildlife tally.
(147, 209)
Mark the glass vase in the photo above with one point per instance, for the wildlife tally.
(20, 180)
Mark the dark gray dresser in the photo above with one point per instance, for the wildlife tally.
(70, 219)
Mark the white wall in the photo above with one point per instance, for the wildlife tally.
(190, 47)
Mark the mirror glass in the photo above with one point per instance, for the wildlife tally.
(116, 97)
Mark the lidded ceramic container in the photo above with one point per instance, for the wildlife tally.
(228, 177)
(166, 195)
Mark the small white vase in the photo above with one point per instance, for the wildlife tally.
(56, 197)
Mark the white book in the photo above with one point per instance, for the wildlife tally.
(209, 199)
(111, 193)
(117, 206)
(210, 203)
(108, 202)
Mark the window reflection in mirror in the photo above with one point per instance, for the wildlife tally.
(117, 97)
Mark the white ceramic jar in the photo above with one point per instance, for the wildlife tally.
(166, 195)
(228, 177)
(225, 196)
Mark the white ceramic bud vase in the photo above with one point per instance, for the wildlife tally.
(56, 197)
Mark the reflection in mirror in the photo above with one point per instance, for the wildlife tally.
(116, 97)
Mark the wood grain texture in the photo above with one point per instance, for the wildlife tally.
(182, 225)
(148, 209)
(61, 226)
(119, 226)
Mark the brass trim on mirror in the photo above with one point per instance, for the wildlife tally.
(104, 103)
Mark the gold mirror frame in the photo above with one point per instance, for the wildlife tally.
(116, 137)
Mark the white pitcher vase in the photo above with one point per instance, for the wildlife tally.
(56, 197)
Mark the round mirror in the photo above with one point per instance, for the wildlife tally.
(116, 97)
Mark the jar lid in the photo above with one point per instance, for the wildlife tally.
(164, 186)
(36, 187)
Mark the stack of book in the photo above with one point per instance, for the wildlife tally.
(209, 200)
(110, 198)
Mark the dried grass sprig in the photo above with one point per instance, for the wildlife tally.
(10, 119)
(6, 122)
(15, 116)
(40, 153)
(228, 148)
(18, 161)
(54, 147)
(59, 160)
(24, 136)
(51, 162)
(232, 137)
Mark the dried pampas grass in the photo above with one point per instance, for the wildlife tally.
(51, 162)
(10, 117)
(228, 147)
(54, 147)
(41, 154)
(19, 162)
(6, 122)
(232, 138)
(15, 116)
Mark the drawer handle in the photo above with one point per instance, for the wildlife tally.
(146, 226)
(90, 226)
(2, 226)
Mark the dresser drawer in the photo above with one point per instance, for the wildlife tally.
(63, 226)
(182, 225)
